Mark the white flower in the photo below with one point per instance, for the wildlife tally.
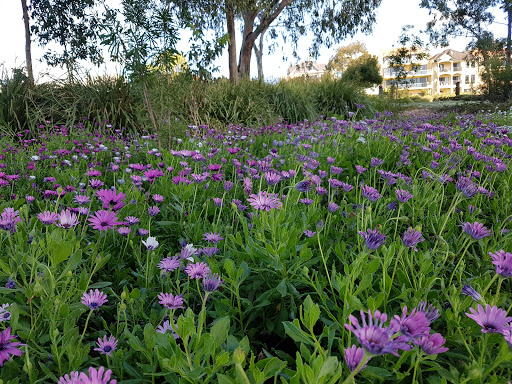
(361, 139)
(150, 243)
(5, 315)
(35, 158)
(32, 177)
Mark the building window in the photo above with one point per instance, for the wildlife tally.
(466, 80)
(472, 79)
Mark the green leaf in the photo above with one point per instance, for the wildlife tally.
(219, 330)
(298, 335)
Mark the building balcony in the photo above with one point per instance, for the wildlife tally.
(420, 85)
(444, 84)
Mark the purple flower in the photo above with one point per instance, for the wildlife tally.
(212, 282)
(11, 284)
(466, 186)
(106, 346)
(111, 199)
(264, 201)
(158, 198)
(476, 230)
(208, 251)
(124, 231)
(491, 319)
(197, 270)
(170, 301)
(212, 237)
(360, 169)
(307, 201)
(8, 348)
(5, 315)
(188, 251)
(403, 195)
(411, 237)
(103, 220)
(353, 357)
(309, 233)
(411, 326)
(373, 238)
(468, 290)
(304, 186)
(67, 219)
(431, 313)
(166, 326)
(431, 344)
(96, 376)
(374, 162)
(373, 336)
(153, 211)
(503, 262)
(169, 264)
(370, 193)
(131, 220)
(94, 299)
(47, 217)
(332, 207)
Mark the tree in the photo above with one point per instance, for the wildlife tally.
(345, 55)
(73, 24)
(406, 59)
(28, 41)
(365, 71)
(327, 21)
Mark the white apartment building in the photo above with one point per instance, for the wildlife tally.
(307, 69)
(438, 74)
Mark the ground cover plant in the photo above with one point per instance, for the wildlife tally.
(326, 251)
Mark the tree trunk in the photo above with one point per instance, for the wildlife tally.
(258, 51)
(244, 63)
(233, 70)
(509, 32)
(28, 52)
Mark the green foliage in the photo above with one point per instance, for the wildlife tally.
(345, 55)
(365, 70)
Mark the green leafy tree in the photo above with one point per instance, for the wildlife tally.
(73, 24)
(365, 70)
(345, 55)
(327, 21)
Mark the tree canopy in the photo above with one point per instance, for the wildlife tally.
(365, 70)
(345, 55)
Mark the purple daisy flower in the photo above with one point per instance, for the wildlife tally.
(373, 336)
(153, 211)
(170, 264)
(47, 217)
(466, 186)
(111, 199)
(166, 326)
(131, 220)
(373, 238)
(158, 198)
(332, 207)
(8, 348)
(374, 162)
(403, 196)
(212, 237)
(491, 319)
(353, 357)
(95, 376)
(103, 220)
(212, 282)
(431, 313)
(503, 262)
(208, 251)
(170, 301)
(468, 290)
(106, 346)
(476, 230)
(124, 231)
(411, 237)
(370, 193)
(360, 169)
(431, 344)
(309, 233)
(307, 201)
(264, 201)
(197, 270)
(67, 219)
(94, 299)
(411, 326)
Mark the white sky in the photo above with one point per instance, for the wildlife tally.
(391, 16)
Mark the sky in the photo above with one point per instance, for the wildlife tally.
(391, 16)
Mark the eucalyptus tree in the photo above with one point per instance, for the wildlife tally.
(325, 21)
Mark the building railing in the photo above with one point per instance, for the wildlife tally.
(444, 83)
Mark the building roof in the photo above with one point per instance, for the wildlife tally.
(306, 67)
(455, 55)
